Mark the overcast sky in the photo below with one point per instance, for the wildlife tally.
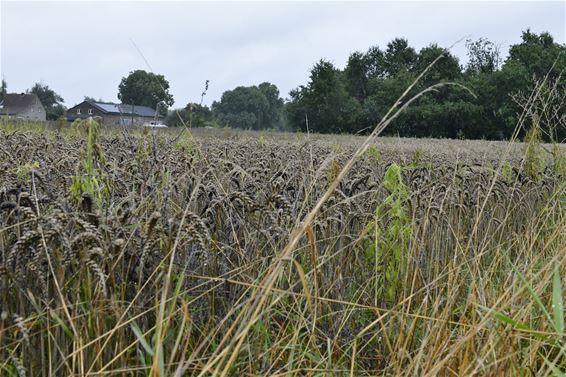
(85, 48)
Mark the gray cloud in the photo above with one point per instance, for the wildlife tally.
(84, 48)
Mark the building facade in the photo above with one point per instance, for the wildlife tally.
(113, 113)
(22, 106)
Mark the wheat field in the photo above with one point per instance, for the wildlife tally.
(131, 252)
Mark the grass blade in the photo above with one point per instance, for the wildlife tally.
(141, 338)
(557, 301)
(556, 372)
(533, 294)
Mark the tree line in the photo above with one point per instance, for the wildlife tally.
(489, 95)
(486, 104)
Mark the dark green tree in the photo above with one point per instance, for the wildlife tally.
(3, 88)
(537, 53)
(356, 98)
(250, 107)
(483, 56)
(92, 99)
(446, 69)
(382, 94)
(192, 115)
(375, 63)
(424, 118)
(531, 59)
(324, 102)
(357, 75)
(398, 57)
(445, 112)
(51, 101)
(275, 104)
(144, 89)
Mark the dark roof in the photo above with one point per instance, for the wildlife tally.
(16, 103)
(124, 109)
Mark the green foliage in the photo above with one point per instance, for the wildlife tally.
(537, 53)
(483, 56)
(250, 107)
(89, 178)
(554, 318)
(417, 158)
(558, 160)
(390, 236)
(144, 89)
(534, 160)
(186, 144)
(355, 99)
(3, 88)
(323, 105)
(507, 172)
(92, 99)
(193, 115)
(399, 57)
(446, 69)
(51, 101)
(23, 171)
(374, 152)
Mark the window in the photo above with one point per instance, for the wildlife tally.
(78, 111)
(89, 111)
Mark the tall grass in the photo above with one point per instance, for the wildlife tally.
(279, 256)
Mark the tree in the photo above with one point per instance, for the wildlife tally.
(275, 104)
(483, 56)
(537, 53)
(250, 107)
(92, 99)
(532, 58)
(389, 74)
(375, 63)
(356, 75)
(356, 98)
(399, 56)
(193, 115)
(446, 68)
(325, 102)
(3, 88)
(144, 89)
(51, 101)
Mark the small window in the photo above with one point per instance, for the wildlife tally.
(89, 111)
(78, 111)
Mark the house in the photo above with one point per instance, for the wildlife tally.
(113, 113)
(22, 106)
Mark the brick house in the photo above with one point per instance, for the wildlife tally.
(22, 106)
(113, 113)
